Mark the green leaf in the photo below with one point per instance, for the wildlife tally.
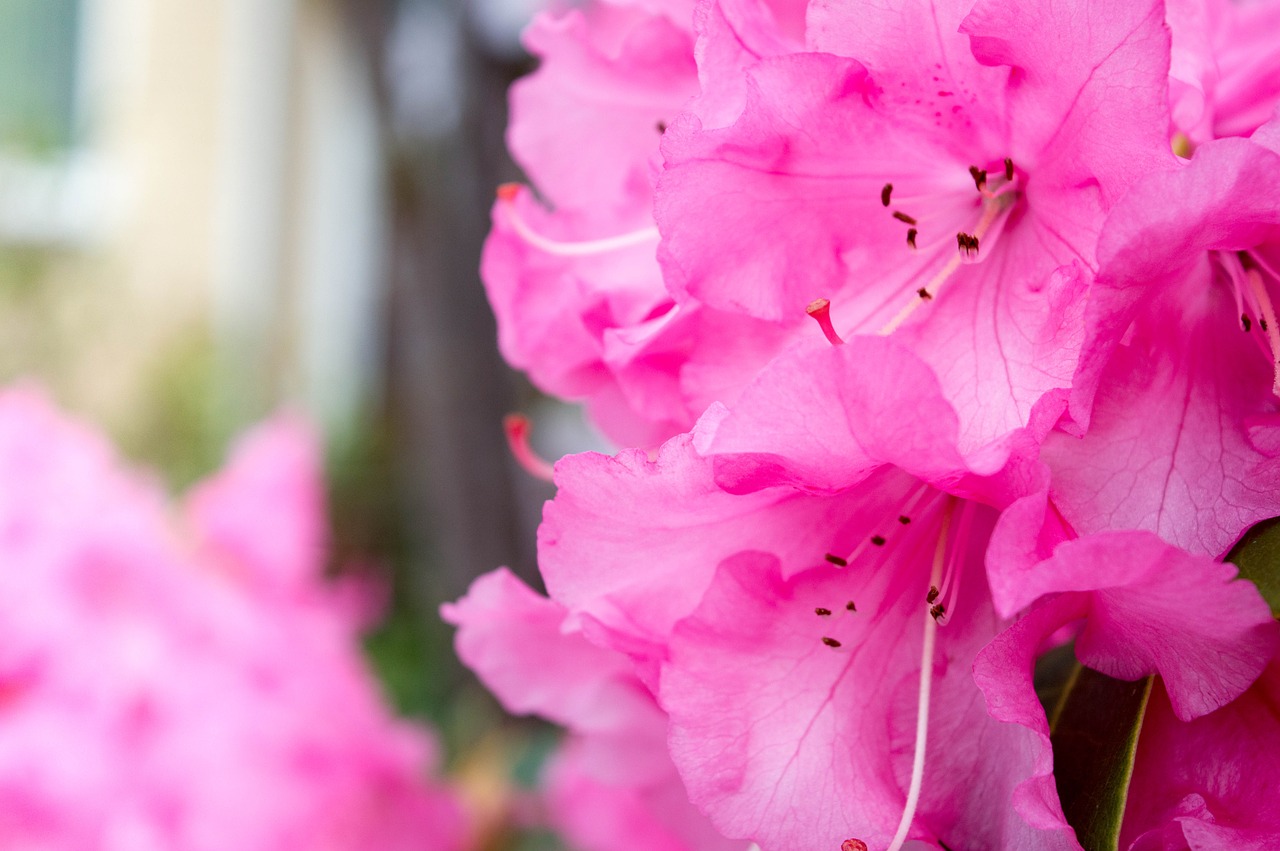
(1094, 731)
(1258, 557)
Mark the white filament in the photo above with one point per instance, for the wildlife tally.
(997, 204)
(926, 686)
(577, 249)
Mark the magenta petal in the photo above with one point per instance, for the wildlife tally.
(585, 125)
(613, 778)
(914, 45)
(1171, 446)
(795, 744)
(597, 815)
(1227, 198)
(823, 419)
(513, 639)
(1210, 782)
(786, 169)
(633, 543)
(1082, 76)
(1154, 608)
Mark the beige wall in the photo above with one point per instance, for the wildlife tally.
(194, 302)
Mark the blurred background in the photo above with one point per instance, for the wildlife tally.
(213, 208)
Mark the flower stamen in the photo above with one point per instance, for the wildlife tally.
(926, 687)
(506, 197)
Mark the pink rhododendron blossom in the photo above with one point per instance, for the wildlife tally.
(612, 781)
(936, 171)
(579, 297)
(171, 691)
(783, 564)
(1180, 365)
(577, 292)
(1135, 625)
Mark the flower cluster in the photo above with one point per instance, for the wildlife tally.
(188, 683)
(945, 333)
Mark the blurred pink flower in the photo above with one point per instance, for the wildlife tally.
(188, 686)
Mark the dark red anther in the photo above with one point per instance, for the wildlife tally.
(968, 243)
(1245, 323)
(904, 520)
(830, 642)
(820, 310)
(853, 845)
(849, 606)
(1008, 169)
(979, 176)
(1262, 323)
(836, 560)
(903, 217)
(662, 127)
(937, 610)
(822, 613)
(933, 594)
(911, 237)
(885, 193)
(878, 540)
(924, 294)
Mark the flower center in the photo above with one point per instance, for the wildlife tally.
(947, 228)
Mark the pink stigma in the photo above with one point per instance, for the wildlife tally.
(820, 310)
(518, 429)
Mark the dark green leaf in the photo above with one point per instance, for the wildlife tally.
(1258, 557)
(1095, 738)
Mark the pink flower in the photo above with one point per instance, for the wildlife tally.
(1134, 624)
(172, 691)
(579, 296)
(782, 565)
(933, 173)
(612, 782)
(1176, 386)
(576, 290)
